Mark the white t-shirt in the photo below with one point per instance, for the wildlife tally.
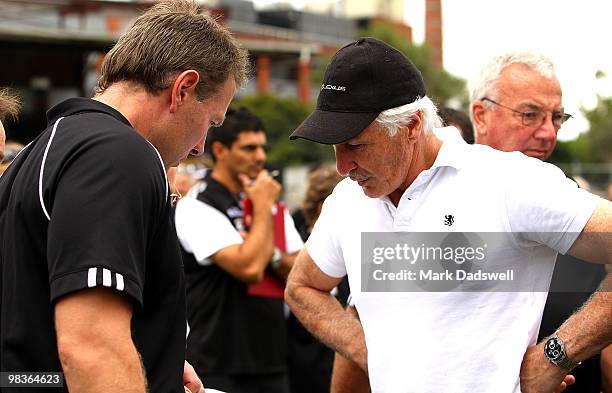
(455, 341)
(203, 230)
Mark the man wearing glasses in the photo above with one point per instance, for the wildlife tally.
(516, 106)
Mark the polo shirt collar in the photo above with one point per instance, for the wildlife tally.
(76, 105)
(451, 151)
(449, 155)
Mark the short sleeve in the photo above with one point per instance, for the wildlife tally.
(546, 207)
(105, 200)
(323, 245)
(203, 230)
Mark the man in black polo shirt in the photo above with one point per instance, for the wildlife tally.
(91, 276)
(237, 340)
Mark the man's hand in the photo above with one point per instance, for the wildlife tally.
(191, 381)
(263, 191)
(539, 375)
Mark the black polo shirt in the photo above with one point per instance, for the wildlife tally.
(96, 214)
(232, 333)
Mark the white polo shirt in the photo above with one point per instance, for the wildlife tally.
(456, 341)
(203, 230)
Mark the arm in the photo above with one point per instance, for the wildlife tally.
(347, 377)
(606, 361)
(95, 343)
(286, 263)
(308, 295)
(589, 330)
(247, 261)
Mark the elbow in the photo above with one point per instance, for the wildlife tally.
(77, 355)
(290, 293)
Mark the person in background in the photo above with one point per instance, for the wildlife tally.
(9, 108)
(11, 150)
(516, 105)
(238, 246)
(183, 181)
(458, 119)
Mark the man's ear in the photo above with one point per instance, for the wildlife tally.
(415, 129)
(184, 85)
(478, 118)
(217, 148)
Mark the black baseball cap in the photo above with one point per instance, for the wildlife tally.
(363, 79)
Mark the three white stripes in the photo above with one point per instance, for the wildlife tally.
(92, 278)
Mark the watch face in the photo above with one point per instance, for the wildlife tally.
(553, 349)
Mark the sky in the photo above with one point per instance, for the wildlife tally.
(573, 34)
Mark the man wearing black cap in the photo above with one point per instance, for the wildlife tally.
(407, 176)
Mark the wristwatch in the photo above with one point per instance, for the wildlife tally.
(554, 350)
(277, 257)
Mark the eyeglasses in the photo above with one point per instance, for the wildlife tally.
(535, 118)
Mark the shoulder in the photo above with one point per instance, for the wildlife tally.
(188, 207)
(100, 131)
(509, 165)
(98, 141)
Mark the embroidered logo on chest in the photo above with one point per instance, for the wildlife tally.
(449, 219)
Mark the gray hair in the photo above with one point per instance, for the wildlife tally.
(485, 84)
(392, 119)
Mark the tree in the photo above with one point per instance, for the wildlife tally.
(441, 86)
(599, 137)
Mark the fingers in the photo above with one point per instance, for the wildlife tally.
(561, 387)
(191, 381)
(245, 180)
(568, 380)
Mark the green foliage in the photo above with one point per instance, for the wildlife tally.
(280, 117)
(576, 150)
(441, 86)
(599, 137)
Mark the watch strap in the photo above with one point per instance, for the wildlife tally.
(567, 364)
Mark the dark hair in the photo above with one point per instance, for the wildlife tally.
(169, 38)
(459, 119)
(236, 121)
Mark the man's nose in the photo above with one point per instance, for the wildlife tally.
(198, 149)
(260, 155)
(547, 129)
(344, 160)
